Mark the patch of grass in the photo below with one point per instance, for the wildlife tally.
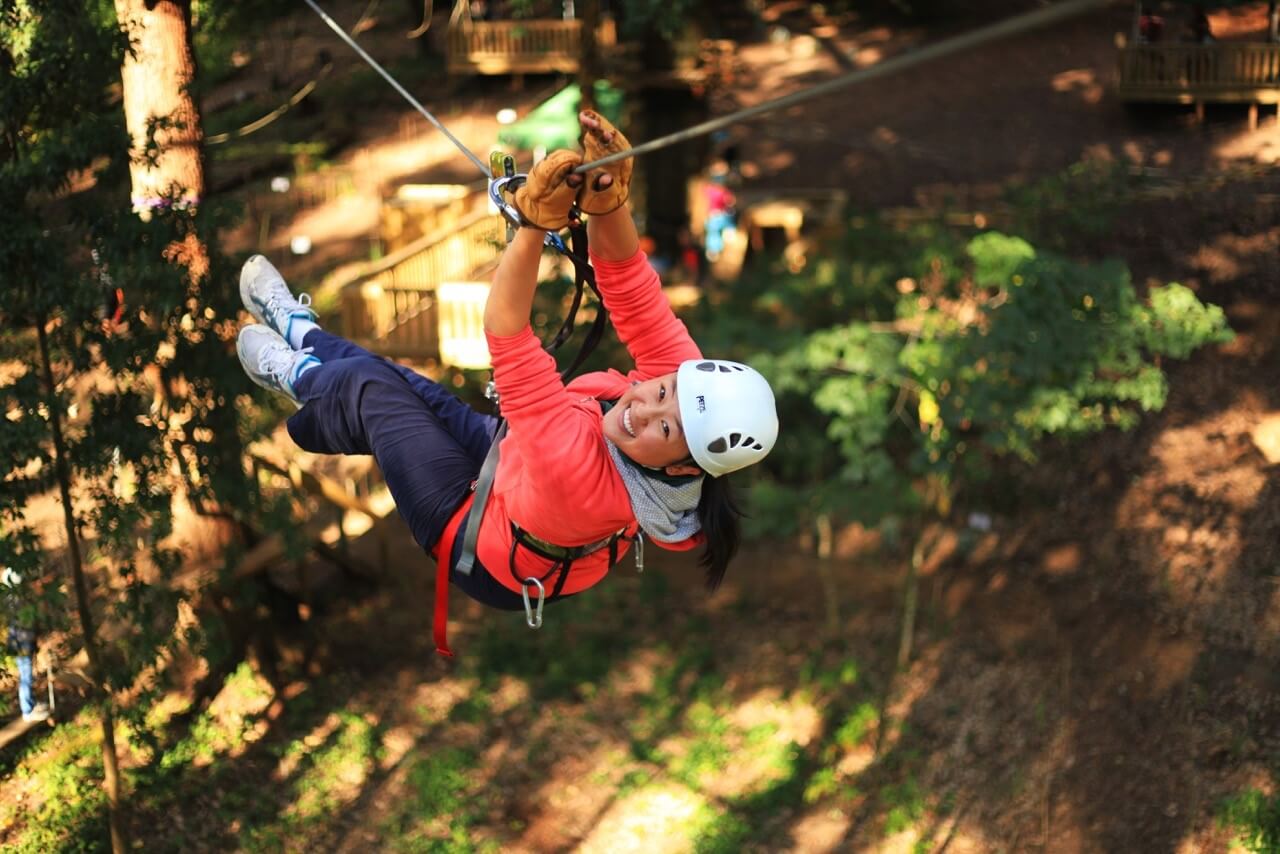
(1254, 819)
(708, 749)
(856, 726)
(720, 832)
(441, 807)
(904, 806)
(329, 777)
(580, 641)
(821, 676)
(473, 709)
(67, 808)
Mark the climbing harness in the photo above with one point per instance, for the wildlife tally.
(502, 185)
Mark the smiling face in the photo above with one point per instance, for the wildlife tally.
(645, 425)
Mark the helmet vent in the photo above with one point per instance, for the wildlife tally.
(719, 446)
(709, 367)
(757, 447)
(733, 439)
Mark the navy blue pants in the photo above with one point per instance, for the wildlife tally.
(429, 445)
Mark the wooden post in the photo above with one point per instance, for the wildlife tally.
(1253, 117)
(589, 56)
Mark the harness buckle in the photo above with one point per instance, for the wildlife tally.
(531, 616)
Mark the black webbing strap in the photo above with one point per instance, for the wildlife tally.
(584, 275)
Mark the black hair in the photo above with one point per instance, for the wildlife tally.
(719, 514)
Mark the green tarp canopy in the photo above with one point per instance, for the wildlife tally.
(554, 123)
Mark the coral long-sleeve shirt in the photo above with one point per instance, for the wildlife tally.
(555, 477)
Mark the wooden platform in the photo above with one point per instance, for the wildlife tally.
(1242, 73)
(521, 47)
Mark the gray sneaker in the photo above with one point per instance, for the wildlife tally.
(40, 712)
(267, 297)
(270, 361)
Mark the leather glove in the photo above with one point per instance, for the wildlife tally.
(546, 196)
(600, 139)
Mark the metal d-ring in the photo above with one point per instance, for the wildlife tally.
(532, 617)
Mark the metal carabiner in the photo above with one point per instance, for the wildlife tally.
(498, 187)
(502, 185)
(639, 551)
(532, 617)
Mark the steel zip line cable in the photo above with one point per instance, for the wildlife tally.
(333, 25)
(946, 47)
(1012, 26)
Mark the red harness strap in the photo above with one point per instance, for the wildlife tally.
(444, 557)
(441, 620)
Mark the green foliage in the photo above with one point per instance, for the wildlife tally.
(67, 810)
(1254, 818)
(149, 409)
(1073, 206)
(949, 356)
(668, 18)
(441, 808)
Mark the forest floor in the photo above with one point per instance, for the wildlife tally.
(1096, 672)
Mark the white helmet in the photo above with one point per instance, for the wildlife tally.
(729, 417)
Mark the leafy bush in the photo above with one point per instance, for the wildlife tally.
(947, 356)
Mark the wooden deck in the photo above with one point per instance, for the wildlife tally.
(1244, 73)
(393, 308)
(521, 47)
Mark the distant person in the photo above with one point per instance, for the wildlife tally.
(21, 642)
(586, 468)
(1150, 27)
(1199, 30)
(721, 204)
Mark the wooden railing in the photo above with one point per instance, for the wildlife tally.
(512, 47)
(391, 309)
(1245, 73)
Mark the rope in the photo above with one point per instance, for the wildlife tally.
(259, 123)
(395, 84)
(946, 47)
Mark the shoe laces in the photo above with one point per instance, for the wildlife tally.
(278, 361)
(280, 299)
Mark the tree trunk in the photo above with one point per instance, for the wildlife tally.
(910, 595)
(830, 590)
(158, 74)
(110, 762)
(589, 59)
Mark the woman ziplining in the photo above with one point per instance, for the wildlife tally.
(585, 469)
